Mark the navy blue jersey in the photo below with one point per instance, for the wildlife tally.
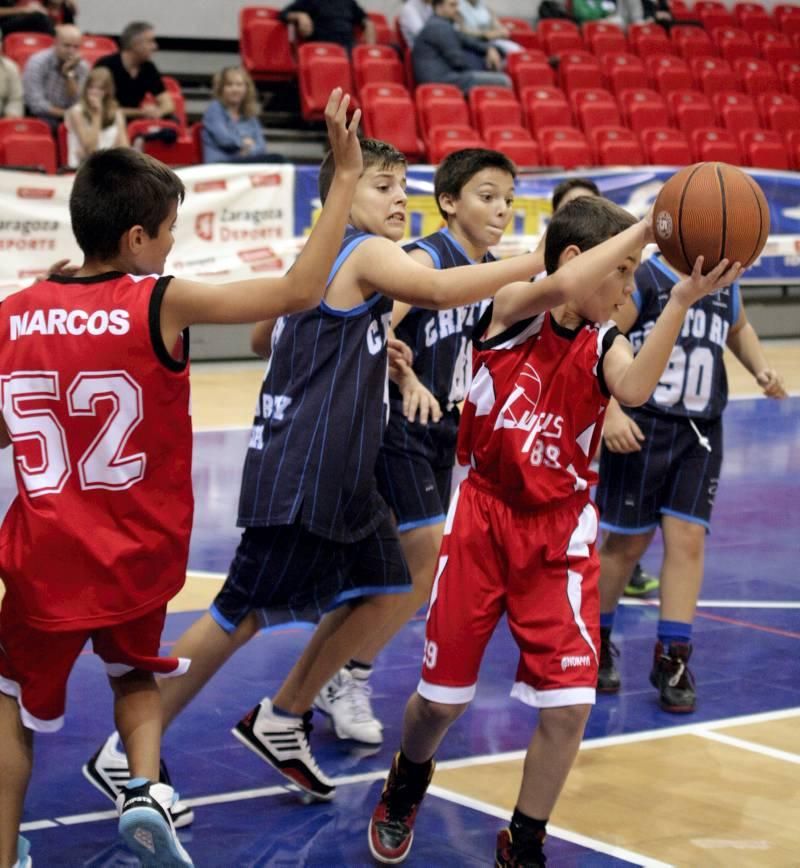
(320, 419)
(694, 383)
(440, 339)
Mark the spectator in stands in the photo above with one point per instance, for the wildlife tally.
(61, 11)
(135, 75)
(95, 122)
(53, 78)
(477, 19)
(231, 127)
(412, 19)
(10, 87)
(596, 10)
(657, 11)
(443, 55)
(31, 17)
(329, 21)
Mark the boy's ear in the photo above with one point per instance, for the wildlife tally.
(569, 252)
(447, 202)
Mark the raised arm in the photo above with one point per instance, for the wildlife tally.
(302, 286)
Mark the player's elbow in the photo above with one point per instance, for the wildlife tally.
(630, 395)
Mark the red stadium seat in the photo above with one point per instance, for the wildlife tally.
(528, 69)
(789, 74)
(521, 32)
(322, 66)
(763, 149)
(690, 109)
(557, 35)
(668, 72)
(665, 146)
(788, 17)
(440, 105)
(264, 45)
(733, 43)
(792, 142)
(23, 126)
(384, 34)
(642, 107)
(374, 64)
(681, 11)
(388, 115)
(578, 69)
(647, 39)
(623, 71)
(756, 76)
(713, 143)
(565, 147)
(181, 152)
(735, 111)
(616, 146)
(29, 150)
(774, 47)
(692, 42)
(602, 38)
(21, 45)
(545, 107)
(95, 47)
(713, 13)
(779, 111)
(594, 107)
(196, 132)
(711, 74)
(752, 17)
(516, 143)
(174, 88)
(446, 139)
(492, 107)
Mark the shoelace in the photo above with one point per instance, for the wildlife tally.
(303, 732)
(357, 696)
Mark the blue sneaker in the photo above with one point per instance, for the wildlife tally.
(146, 825)
(24, 859)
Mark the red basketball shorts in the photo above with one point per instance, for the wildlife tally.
(35, 664)
(542, 570)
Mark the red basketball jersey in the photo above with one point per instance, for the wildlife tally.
(98, 413)
(534, 414)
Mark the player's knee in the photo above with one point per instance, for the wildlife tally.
(687, 538)
(436, 714)
(135, 680)
(567, 722)
(625, 546)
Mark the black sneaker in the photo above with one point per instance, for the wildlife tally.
(391, 827)
(608, 680)
(283, 743)
(509, 854)
(672, 677)
(146, 826)
(108, 771)
(641, 583)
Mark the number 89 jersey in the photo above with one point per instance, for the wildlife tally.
(694, 382)
(98, 414)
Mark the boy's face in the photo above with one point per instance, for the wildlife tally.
(379, 202)
(483, 208)
(613, 292)
(152, 253)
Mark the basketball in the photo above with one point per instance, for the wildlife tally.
(711, 210)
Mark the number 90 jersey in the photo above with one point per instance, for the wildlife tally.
(98, 414)
(534, 413)
(694, 383)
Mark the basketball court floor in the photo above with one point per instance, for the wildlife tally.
(720, 787)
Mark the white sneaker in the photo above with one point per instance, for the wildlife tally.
(345, 698)
(24, 859)
(283, 743)
(146, 825)
(108, 771)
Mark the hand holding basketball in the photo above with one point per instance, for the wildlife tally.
(692, 288)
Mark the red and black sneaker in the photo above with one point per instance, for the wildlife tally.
(519, 854)
(671, 675)
(608, 680)
(391, 828)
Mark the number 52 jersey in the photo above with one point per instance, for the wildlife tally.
(98, 413)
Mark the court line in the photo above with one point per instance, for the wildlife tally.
(594, 844)
(752, 746)
(722, 604)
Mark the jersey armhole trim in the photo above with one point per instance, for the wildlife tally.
(511, 332)
(608, 340)
(154, 316)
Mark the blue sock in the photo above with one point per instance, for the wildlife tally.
(674, 631)
(607, 620)
(136, 782)
(281, 713)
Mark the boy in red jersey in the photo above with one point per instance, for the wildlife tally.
(94, 393)
(520, 533)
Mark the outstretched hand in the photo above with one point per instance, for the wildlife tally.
(343, 136)
(692, 288)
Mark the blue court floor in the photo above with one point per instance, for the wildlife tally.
(746, 662)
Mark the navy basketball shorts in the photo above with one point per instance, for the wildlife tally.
(415, 466)
(287, 573)
(676, 473)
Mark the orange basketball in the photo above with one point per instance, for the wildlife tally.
(711, 210)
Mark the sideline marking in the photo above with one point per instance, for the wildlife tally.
(752, 746)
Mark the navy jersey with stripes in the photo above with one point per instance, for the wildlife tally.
(320, 419)
(440, 339)
(694, 383)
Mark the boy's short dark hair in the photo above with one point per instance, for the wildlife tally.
(458, 168)
(584, 222)
(115, 190)
(373, 153)
(571, 184)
